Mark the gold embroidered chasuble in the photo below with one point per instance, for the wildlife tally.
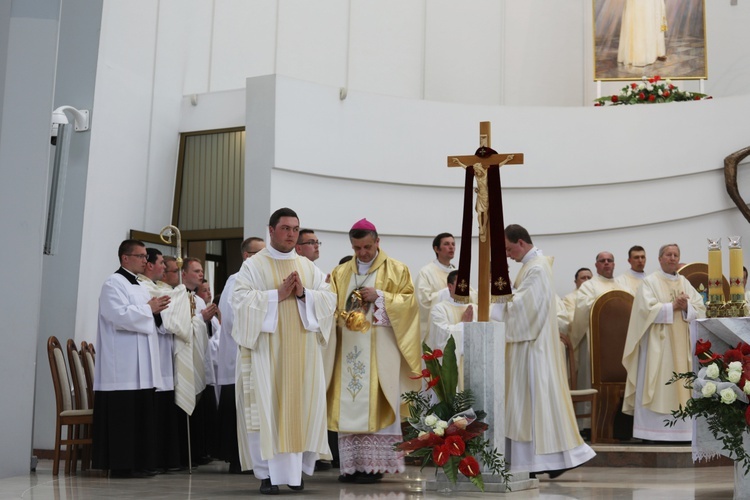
(668, 348)
(533, 345)
(394, 351)
(280, 388)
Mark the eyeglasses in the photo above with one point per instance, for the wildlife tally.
(312, 242)
(143, 256)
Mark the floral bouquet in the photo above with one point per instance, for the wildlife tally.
(448, 433)
(650, 90)
(720, 395)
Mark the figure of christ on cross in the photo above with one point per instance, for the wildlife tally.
(484, 166)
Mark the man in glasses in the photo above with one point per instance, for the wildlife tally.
(127, 370)
(308, 244)
(579, 330)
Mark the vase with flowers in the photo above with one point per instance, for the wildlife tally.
(445, 430)
(720, 399)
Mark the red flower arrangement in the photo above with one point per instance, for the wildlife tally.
(448, 434)
(720, 395)
(652, 89)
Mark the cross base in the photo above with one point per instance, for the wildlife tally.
(492, 484)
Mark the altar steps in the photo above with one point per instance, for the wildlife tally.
(659, 456)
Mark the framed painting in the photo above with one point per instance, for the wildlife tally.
(635, 38)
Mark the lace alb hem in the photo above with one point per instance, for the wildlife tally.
(370, 453)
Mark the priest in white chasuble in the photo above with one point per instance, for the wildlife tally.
(283, 314)
(431, 279)
(631, 279)
(447, 318)
(569, 300)
(579, 330)
(657, 345)
(372, 356)
(539, 420)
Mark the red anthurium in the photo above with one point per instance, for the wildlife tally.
(440, 455)
(469, 467)
(425, 374)
(747, 415)
(432, 383)
(744, 348)
(702, 346)
(437, 353)
(456, 445)
(732, 355)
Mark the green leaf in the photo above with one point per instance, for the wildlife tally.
(449, 378)
(451, 469)
(478, 481)
(443, 410)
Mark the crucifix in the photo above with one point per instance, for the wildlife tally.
(484, 165)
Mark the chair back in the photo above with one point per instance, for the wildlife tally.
(697, 274)
(78, 377)
(59, 375)
(88, 369)
(610, 317)
(571, 362)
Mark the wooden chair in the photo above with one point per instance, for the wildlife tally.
(610, 316)
(697, 274)
(82, 400)
(65, 414)
(580, 395)
(87, 355)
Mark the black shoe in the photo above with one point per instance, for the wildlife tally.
(348, 478)
(267, 488)
(368, 477)
(298, 488)
(237, 469)
(532, 475)
(322, 465)
(553, 474)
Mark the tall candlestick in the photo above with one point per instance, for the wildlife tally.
(715, 289)
(736, 285)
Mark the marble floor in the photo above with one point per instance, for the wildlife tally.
(213, 482)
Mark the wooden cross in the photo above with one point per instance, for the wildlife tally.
(484, 243)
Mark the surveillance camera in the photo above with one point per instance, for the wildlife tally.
(53, 134)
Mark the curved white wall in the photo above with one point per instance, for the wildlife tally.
(593, 178)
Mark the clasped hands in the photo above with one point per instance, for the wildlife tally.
(291, 285)
(210, 311)
(680, 303)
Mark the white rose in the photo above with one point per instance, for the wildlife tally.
(441, 424)
(712, 371)
(727, 396)
(439, 431)
(734, 376)
(747, 387)
(735, 366)
(430, 420)
(708, 390)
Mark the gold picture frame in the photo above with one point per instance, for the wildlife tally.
(660, 37)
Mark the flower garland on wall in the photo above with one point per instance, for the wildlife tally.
(448, 433)
(652, 90)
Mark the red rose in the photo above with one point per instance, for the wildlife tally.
(657, 78)
(633, 85)
(440, 455)
(598, 104)
(614, 98)
(702, 346)
(697, 98)
(456, 445)
(651, 98)
(651, 80)
(671, 86)
(642, 96)
(469, 467)
(666, 93)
